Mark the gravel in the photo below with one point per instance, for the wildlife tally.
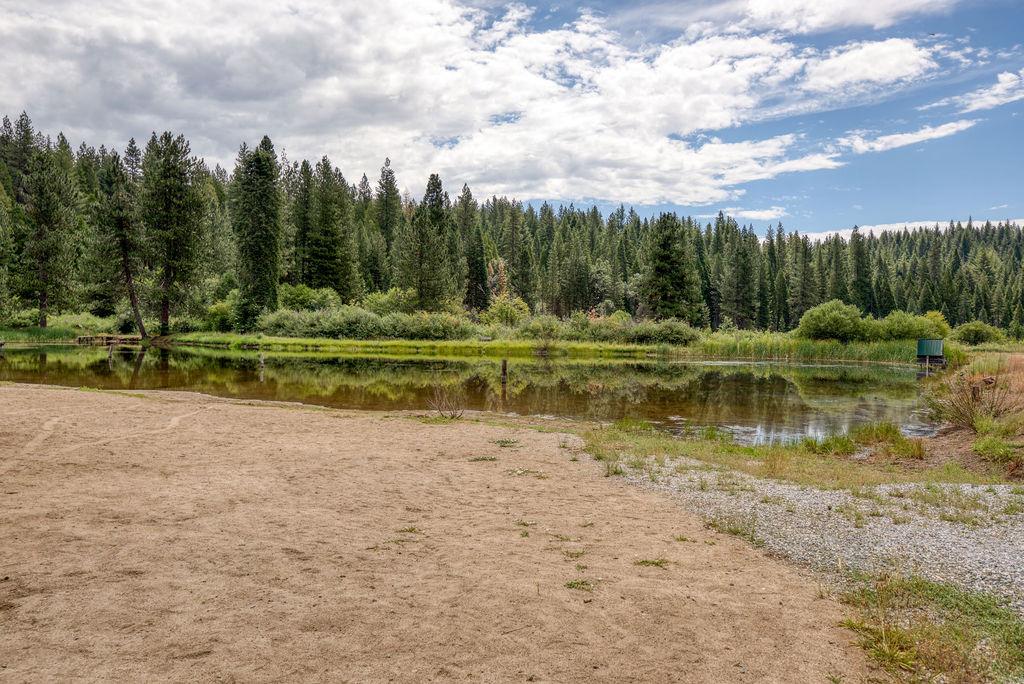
(969, 535)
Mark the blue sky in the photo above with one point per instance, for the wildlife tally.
(819, 114)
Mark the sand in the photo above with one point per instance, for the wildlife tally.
(174, 536)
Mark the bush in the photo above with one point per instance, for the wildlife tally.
(938, 319)
(428, 326)
(22, 318)
(544, 329)
(84, 321)
(976, 332)
(395, 300)
(305, 298)
(220, 317)
(832, 321)
(670, 331)
(900, 325)
(506, 310)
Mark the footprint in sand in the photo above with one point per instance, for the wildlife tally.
(43, 433)
(171, 425)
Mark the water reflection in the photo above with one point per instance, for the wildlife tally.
(758, 403)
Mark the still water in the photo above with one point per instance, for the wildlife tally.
(757, 403)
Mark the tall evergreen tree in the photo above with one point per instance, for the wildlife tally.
(172, 212)
(121, 229)
(256, 222)
(671, 287)
(861, 292)
(389, 204)
(53, 204)
(422, 263)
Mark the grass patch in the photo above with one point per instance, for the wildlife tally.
(744, 527)
(746, 345)
(580, 585)
(997, 450)
(526, 472)
(798, 463)
(652, 562)
(506, 443)
(919, 629)
(483, 459)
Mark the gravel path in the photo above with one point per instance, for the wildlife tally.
(969, 535)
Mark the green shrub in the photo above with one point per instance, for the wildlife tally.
(976, 332)
(938, 319)
(305, 298)
(900, 325)
(669, 331)
(832, 320)
(86, 322)
(23, 318)
(395, 300)
(348, 323)
(997, 450)
(544, 328)
(506, 310)
(833, 445)
(428, 326)
(220, 317)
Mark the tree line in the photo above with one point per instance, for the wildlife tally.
(153, 232)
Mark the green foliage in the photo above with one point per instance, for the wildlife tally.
(256, 221)
(171, 206)
(304, 298)
(505, 310)
(900, 325)
(998, 450)
(832, 320)
(976, 332)
(832, 445)
(162, 233)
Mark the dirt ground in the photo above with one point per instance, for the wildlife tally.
(173, 536)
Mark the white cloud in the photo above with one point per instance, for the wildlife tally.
(859, 144)
(807, 16)
(572, 112)
(788, 16)
(869, 64)
(771, 214)
(878, 229)
(1009, 87)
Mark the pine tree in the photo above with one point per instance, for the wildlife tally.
(172, 212)
(422, 263)
(302, 221)
(53, 204)
(477, 293)
(671, 287)
(331, 249)
(389, 204)
(860, 274)
(256, 222)
(121, 229)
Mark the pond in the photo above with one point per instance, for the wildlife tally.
(756, 402)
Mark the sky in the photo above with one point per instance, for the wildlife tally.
(819, 114)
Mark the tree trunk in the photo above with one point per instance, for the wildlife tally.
(165, 314)
(44, 302)
(133, 296)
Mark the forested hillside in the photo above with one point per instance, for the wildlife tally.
(153, 233)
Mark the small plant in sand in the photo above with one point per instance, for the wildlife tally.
(481, 459)
(448, 401)
(744, 527)
(505, 443)
(580, 585)
(652, 562)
